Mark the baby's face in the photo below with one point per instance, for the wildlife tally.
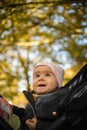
(44, 80)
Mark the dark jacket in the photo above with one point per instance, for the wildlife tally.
(49, 114)
(45, 108)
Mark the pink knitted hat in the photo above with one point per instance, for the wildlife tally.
(57, 70)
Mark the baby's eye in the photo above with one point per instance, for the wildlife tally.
(36, 75)
(48, 74)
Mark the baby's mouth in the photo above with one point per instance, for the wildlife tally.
(41, 85)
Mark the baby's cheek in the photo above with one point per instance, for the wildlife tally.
(34, 84)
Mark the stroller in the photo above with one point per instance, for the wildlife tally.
(73, 105)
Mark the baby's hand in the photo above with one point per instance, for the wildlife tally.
(31, 123)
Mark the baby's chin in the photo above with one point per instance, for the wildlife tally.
(39, 92)
(42, 92)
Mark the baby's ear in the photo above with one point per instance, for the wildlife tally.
(58, 86)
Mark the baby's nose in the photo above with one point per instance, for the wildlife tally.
(41, 78)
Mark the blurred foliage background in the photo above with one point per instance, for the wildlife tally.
(36, 30)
